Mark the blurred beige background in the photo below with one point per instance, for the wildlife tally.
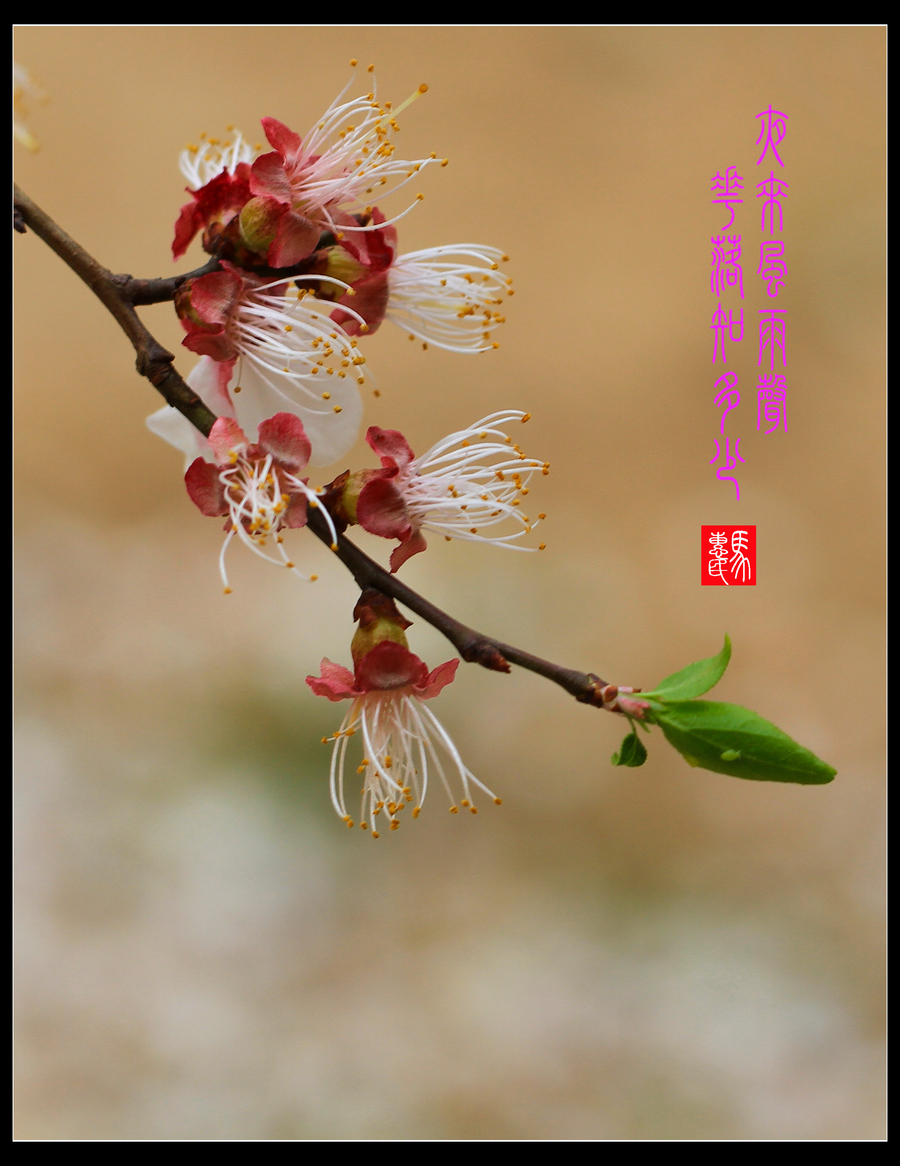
(205, 952)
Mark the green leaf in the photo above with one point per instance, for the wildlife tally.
(631, 752)
(729, 739)
(695, 679)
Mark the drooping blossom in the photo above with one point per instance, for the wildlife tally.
(266, 348)
(447, 296)
(318, 183)
(256, 485)
(403, 743)
(218, 176)
(463, 487)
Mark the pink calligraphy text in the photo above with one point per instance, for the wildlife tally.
(771, 336)
(731, 458)
(725, 188)
(771, 404)
(773, 127)
(722, 322)
(726, 268)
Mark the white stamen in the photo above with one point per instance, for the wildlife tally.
(400, 738)
(431, 298)
(202, 164)
(456, 486)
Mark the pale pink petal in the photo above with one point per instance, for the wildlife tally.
(214, 296)
(390, 444)
(227, 437)
(288, 143)
(389, 665)
(284, 437)
(269, 178)
(188, 224)
(296, 514)
(296, 238)
(438, 679)
(216, 345)
(206, 491)
(381, 510)
(370, 300)
(409, 547)
(336, 683)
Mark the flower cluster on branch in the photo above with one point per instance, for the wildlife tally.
(308, 267)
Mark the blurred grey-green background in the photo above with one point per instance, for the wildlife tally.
(204, 950)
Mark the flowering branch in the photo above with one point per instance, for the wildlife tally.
(120, 294)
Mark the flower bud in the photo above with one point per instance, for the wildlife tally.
(378, 620)
(259, 223)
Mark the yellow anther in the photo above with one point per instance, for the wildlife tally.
(354, 63)
(464, 802)
(337, 408)
(498, 801)
(394, 824)
(326, 396)
(454, 809)
(364, 825)
(542, 516)
(419, 197)
(527, 417)
(473, 810)
(445, 161)
(542, 547)
(334, 546)
(325, 740)
(289, 327)
(416, 811)
(313, 578)
(289, 565)
(227, 591)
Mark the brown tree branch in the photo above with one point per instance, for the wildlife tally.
(120, 293)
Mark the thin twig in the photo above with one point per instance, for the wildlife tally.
(120, 293)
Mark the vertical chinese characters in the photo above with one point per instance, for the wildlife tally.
(771, 390)
(727, 324)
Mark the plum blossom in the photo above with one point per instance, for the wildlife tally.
(447, 296)
(267, 347)
(463, 487)
(256, 485)
(218, 176)
(307, 186)
(402, 741)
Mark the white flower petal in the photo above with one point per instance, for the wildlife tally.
(331, 425)
(175, 428)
